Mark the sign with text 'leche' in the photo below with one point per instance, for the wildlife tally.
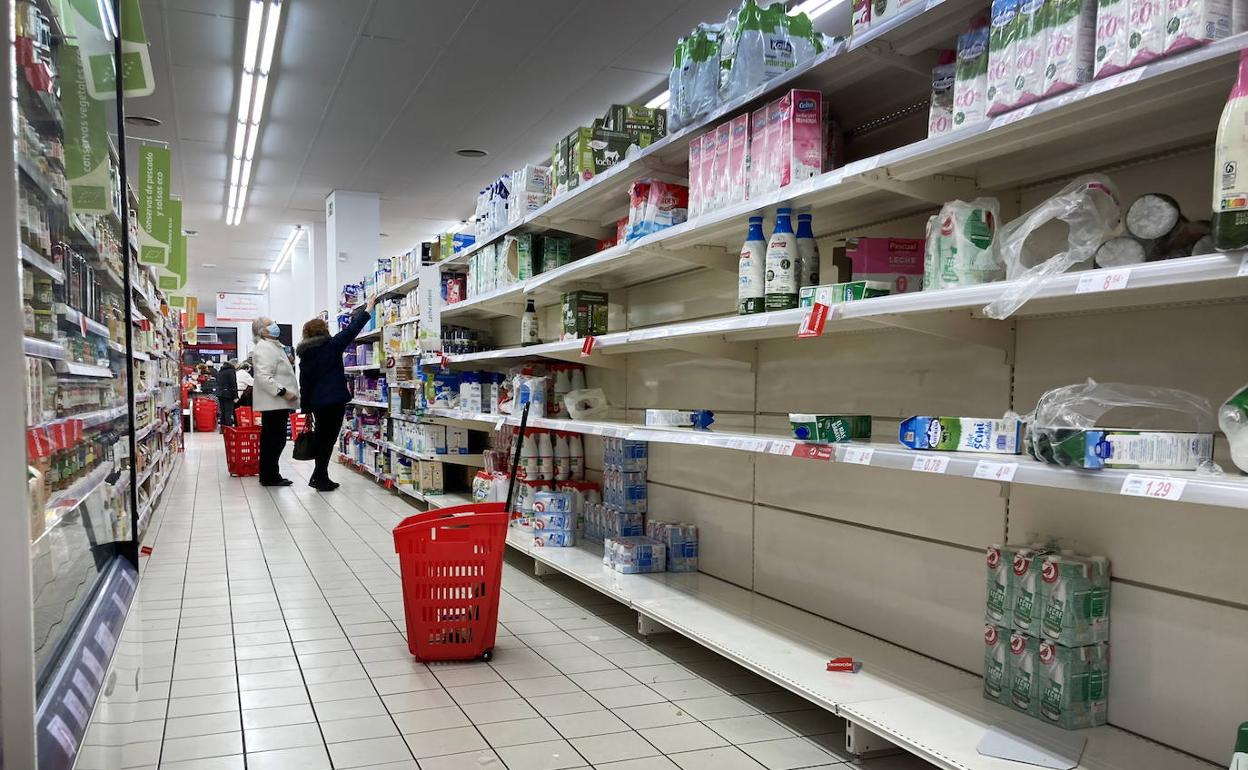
(234, 306)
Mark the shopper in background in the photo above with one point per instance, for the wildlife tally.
(244, 383)
(275, 393)
(227, 391)
(323, 382)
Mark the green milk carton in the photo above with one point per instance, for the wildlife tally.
(1073, 684)
(998, 609)
(830, 428)
(1022, 674)
(1025, 600)
(996, 642)
(1074, 599)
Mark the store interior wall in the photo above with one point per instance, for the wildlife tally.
(901, 556)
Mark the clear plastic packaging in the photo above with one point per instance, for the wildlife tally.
(1233, 420)
(1089, 207)
(1063, 428)
(586, 404)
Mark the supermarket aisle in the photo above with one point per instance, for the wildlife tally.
(267, 636)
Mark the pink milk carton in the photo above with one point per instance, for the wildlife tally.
(895, 261)
(1029, 52)
(1148, 31)
(695, 177)
(775, 137)
(1190, 23)
(707, 176)
(1113, 32)
(758, 152)
(723, 137)
(1071, 47)
(801, 137)
(738, 154)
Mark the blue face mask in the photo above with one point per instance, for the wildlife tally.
(274, 330)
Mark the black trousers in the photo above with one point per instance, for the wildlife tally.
(272, 441)
(227, 411)
(328, 425)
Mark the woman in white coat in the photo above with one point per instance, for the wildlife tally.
(275, 393)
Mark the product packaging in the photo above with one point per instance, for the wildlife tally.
(897, 262)
(1190, 23)
(940, 108)
(698, 419)
(645, 125)
(591, 151)
(1233, 420)
(634, 555)
(584, 314)
(655, 205)
(681, 542)
(556, 252)
(695, 178)
(1071, 46)
(723, 140)
(758, 153)
(1022, 674)
(457, 440)
(1113, 33)
(1147, 39)
(970, 88)
(553, 508)
(832, 293)
(521, 256)
(799, 155)
(736, 186)
(962, 434)
(1002, 49)
(1029, 51)
(961, 246)
(1073, 684)
(996, 655)
(830, 428)
(1074, 599)
(860, 20)
(554, 538)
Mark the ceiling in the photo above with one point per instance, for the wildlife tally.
(376, 95)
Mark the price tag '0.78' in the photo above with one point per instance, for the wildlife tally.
(931, 464)
(993, 471)
(1156, 487)
(1103, 280)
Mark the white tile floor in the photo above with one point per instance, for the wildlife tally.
(268, 634)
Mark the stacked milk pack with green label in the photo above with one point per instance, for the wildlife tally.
(1046, 638)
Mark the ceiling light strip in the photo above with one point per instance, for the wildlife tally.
(263, 21)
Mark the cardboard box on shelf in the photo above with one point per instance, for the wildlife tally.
(584, 314)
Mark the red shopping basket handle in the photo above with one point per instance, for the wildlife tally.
(470, 514)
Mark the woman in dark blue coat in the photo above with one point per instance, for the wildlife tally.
(323, 386)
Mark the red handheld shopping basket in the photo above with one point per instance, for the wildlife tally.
(246, 417)
(298, 424)
(451, 564)
(242, 451)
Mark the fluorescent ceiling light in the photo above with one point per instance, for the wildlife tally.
(264, 282)
(816, 8)
(660, 101)
(263, 20)
(288, 248)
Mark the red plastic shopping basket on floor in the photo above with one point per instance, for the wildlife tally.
(204, 414)
(242, 451)
(298, 424)
(451, 563)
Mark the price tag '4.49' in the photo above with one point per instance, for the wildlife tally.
(931, 464)
(1156, 487)
(987, 469)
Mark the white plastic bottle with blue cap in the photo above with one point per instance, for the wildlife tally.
(780, 285)
(751, 270)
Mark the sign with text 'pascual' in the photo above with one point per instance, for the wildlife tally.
(233, 306)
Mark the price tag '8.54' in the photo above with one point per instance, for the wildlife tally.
(1156, 487)
(1103, 280)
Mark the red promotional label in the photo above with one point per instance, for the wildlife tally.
(587, 346)
(813, 321)
(145, 550)
(823, 452)
(845, 665)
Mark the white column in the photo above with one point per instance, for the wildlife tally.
(282, 302)
(320, 268)
(353, 240)
(301, 276)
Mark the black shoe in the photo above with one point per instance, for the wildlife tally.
(323, 485)
(280, 482)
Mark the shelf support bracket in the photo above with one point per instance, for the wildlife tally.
(704, 256)
(936, 189)
(543, 570)
(649, 626)
(708, 348)
(956, 326)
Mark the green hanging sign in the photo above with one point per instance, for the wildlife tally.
(87, 168)
(95, 36)
(153, 209)
(172, 276)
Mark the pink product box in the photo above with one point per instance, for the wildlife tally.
(738, 153)
(695, 177)
(799, 155)
(896, 261)
(723, 136)
(707, 175)
(758, 152)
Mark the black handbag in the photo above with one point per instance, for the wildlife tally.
(305, 445)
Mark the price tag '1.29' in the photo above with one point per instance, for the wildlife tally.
(1156, 487)
(931, 464)
(987, 469)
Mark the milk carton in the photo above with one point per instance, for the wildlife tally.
(775, 134)
(706, 173)
(962, 434)
(961, 247)
(695, 177)
(1190, 23)
(737, 179)
(970, 87)
(723, 137)
(1022, 673)
(1024, 591)
(1000, 567)
(897, 262)
(800, 154)
(860, 16)
(1071, 45)
(1073, 684)
(1147, 37)
(940, 111)
(758, 153)
(1113, 32)
(996, 643)
(1029, 51)
(1074, 599)
(1002, 49)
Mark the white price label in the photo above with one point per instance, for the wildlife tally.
(1157, 487)
(1114, 81)
(1243, 267)
(754, 445)
(63, 735)
(994, 471)
(84, 687)
(858, 455)
(76, 709)
(1103, 280)
(106, 640)
(1012, 117)
(93, 663)
(499, 423)
(782, 447)
(931, 464)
